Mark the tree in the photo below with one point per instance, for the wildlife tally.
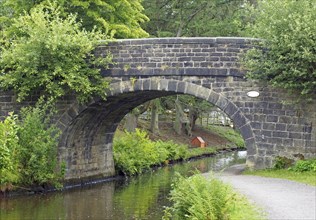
(42, 51)
(286, 57)
(116, 18)
(155, 106)
(192, 18)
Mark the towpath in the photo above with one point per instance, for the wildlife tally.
(280, 199)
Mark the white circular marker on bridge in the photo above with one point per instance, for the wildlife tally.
(253, 94)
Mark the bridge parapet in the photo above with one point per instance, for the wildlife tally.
(176, 56)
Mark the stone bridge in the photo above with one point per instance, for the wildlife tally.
(272, 124)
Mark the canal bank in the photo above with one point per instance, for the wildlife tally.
(141, 197)
(281, 199)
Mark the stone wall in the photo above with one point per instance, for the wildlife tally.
(176, 56)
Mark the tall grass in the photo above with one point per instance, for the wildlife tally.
(198, 198)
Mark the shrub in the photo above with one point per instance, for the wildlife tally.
(38, 143)
(175, 151)
(28, 148)
(288, 28)
(282, 162)
(9, 152)
(304, 166)
(44, 51)
(134, 152)
(198, 198)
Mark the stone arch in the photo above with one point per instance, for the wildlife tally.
(86, 143)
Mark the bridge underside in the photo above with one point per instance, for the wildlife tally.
(86, 145)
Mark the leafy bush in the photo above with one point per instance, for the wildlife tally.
(38, 143)
(44, 51)
(175, 151)
(304, 166)
(282, 162)
(134, 152)
(198, 198)
(9, 152)
(28, 148)
(288, 28)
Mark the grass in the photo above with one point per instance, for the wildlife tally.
(302, 177)
(230, 134)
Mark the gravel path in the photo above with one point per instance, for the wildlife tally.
(280, 199)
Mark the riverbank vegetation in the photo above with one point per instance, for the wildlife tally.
(134, 152)
(303, 171)
(196, 197)
(28, 149)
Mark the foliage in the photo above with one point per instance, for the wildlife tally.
(198, 198)
(230, 134)
(120, 19)
(43, 51)
(28, 148)
(38, 142)
(304, 166)
(177, 18)
(286, 58)
(9, 152)
(282, 162)
(135, 152)
(175, 151)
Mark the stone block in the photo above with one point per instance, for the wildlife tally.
(294, 128)
(203, 93)
(172, 86)
(256, 125)
(181, 87)
(280, 127)
(213, 98)
(268, 126)
(246, 131)
(281, 134)
(230, 109)
(272, 118)
(164, 85)
(138, 85)
(288, 142)
(238, 119)
(273, 105)
(295, 135)
(285, 120)
(146, 84)
(191, 89)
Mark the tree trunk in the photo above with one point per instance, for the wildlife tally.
(193, 116)
(131, 122)
(154, 125)
(178, 122)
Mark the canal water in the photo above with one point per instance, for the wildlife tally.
(142, 197)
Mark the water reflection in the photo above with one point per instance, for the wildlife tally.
(141, 197)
